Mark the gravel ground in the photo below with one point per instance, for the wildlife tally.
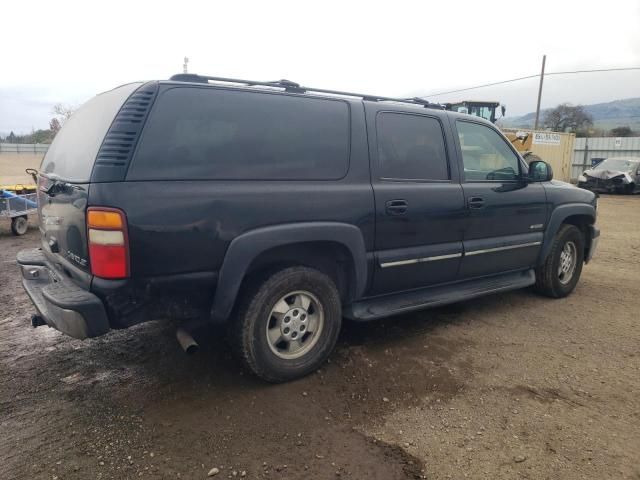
(509, 386)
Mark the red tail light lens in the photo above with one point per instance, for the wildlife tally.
(108, 242)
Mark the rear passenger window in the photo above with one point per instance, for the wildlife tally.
(411, 147)
(205, 133)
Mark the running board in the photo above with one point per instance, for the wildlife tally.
(399, 303)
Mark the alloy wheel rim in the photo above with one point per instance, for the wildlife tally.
(568, 262)
(295, 324)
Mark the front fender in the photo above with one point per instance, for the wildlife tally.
(246, 247)
(558, 216)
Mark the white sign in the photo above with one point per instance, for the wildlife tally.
(546, 138)
(618, 142)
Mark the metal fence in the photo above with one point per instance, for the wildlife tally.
(589, 150)
(24, 148)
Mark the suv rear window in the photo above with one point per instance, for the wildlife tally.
(411, 147)
(73, 151)
(206, 133)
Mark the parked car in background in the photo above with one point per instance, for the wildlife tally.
(613, 175)
(277, 209)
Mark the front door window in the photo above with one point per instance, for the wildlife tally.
(485, 154)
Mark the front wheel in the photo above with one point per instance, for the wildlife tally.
(559, 274)
(287, 323)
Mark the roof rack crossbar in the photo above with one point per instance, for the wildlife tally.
(290, 86)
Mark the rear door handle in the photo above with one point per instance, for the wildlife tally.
(397, 207)
(475, 202)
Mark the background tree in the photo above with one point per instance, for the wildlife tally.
(621, 132)
(39, 136)
(566, 117)
(63, 112)
(54, 125)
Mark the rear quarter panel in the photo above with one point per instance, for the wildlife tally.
(186, 226)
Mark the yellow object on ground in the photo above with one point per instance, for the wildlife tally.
(19, 188)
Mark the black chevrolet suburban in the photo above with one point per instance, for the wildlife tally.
(277, 210)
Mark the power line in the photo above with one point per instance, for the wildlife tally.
(531, 76)
(596, 70)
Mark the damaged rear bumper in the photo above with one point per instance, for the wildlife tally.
(60, 302)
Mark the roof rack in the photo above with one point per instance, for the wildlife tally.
(294, 87)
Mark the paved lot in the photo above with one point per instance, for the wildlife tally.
(510, 386)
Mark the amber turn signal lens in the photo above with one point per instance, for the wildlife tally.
(104, 219)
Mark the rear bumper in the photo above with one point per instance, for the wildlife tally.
(61, 303)
(593, 239)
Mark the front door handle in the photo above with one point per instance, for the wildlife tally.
(475, 202)
(397, 207)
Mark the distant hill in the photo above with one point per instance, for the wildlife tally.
(619, 113)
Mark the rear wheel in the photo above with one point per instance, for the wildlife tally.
(19, 225)
(559, 274)
(287, 323)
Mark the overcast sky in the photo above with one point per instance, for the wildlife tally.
(63, 51)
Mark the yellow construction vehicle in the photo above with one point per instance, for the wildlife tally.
(487, 110)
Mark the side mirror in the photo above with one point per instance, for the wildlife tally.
(503, 109)
(540, 171)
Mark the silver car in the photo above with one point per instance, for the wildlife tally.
(616, 174)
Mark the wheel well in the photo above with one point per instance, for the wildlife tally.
(331, 258)
(582, 222)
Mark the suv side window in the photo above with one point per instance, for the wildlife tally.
(485, 154)
(411, 147)
(206, 133)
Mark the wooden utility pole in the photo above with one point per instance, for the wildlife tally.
(535, 125)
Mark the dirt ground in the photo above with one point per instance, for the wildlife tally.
(12, 166)
(509, 386)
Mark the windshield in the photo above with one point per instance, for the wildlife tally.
(617, 164)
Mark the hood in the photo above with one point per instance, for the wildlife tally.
(561, 183)
(604, 174)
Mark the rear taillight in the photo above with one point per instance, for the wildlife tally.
(108, 242)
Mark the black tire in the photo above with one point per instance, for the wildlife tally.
(548, 279)
(19, 225)
(248, 330)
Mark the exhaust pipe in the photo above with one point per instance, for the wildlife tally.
(186, 341)
(37, 321)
